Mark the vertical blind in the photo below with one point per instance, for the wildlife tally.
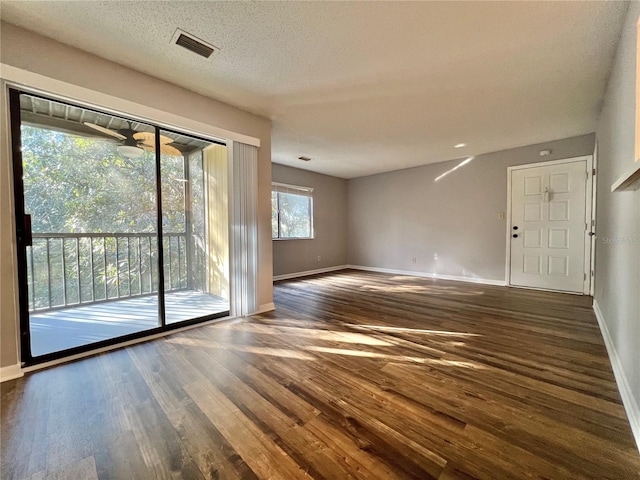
(244, 229)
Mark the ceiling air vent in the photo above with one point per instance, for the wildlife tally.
(304, 159)
(193, 43)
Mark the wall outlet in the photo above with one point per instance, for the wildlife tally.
(319, 258)
(413, 260)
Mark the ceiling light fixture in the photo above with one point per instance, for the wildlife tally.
(130, 151)
(460, 145)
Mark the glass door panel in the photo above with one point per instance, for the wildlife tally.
(195, 235)
(95, 267)
(89, 186)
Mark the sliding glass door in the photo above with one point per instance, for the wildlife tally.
(195, 229)
(119, 226)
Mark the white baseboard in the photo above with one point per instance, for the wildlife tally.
(484, 281)
(309, 272)
(629, 401)
(265, 307)
(10, 372)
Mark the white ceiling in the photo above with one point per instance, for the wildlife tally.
(367, 87)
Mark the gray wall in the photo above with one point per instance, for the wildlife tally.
(330, 224)
(29, 51)
(452, 226)
(618, 214)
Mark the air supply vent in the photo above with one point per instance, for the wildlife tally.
(193, 43)
(304, 159)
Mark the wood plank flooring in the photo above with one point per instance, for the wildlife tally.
(355, 375)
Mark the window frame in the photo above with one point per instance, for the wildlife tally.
(278, 188)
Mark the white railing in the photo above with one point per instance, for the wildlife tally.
(67, 269)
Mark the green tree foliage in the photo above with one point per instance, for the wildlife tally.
(75, 184)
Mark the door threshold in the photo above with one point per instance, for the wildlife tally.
(525, 287)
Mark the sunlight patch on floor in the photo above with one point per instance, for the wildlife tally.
(328, 335)
(413, 330)
(274, 352)
(454, 363)
(362, 353)
(396, 358)
(429, 289)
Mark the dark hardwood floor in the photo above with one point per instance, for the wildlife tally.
(355, 375)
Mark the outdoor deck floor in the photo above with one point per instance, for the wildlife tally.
(57, 330)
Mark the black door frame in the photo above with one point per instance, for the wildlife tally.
(23, 239)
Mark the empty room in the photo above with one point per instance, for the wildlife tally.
(318, 239)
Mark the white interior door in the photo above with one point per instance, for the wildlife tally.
(548, 226)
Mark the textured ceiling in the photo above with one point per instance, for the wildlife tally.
(367, 87)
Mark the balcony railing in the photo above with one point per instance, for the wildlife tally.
(70, 269)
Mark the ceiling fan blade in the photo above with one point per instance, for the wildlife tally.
(150, 138)
(169, 150)
(165, 149)
(105, 130)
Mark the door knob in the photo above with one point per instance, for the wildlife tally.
(515, 227)
(591, 234)
(515, 235)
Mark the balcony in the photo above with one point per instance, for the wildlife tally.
(89, 287)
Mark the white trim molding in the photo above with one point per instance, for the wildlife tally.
(264, 308)
(10, 372)
(628, 400)
(485, 281)
(306, 273)
(630, 180)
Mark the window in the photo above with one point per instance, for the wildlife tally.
(291, 211)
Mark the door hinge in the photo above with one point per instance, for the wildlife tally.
(585, 276)
(593, 172)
